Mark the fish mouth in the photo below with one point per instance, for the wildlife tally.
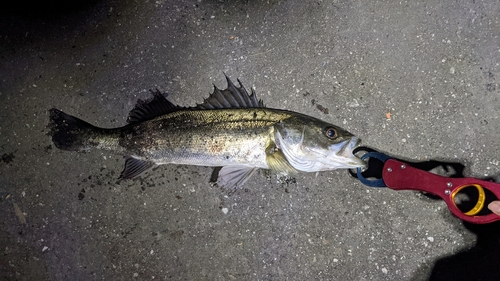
(346, 151)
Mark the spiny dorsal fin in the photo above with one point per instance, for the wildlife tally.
(152, 108)
(232, 97)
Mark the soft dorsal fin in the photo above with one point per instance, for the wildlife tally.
(152, 108)
(232, 97)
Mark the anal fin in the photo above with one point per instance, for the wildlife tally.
(134, 167)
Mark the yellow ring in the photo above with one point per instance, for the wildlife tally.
(480, 200)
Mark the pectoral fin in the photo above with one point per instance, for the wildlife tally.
(277, 162)
(234, 176)
(134, 167)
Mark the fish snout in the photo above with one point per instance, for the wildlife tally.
(347, 152)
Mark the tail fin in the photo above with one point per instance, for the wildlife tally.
(71, 133)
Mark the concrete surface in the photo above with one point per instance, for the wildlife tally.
(433, 65)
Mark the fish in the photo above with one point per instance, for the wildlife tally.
(231, 129)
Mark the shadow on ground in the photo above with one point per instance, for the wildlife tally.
(477, 263)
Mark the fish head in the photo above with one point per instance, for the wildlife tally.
(311, 145)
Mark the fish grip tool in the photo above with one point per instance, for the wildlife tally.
(398, 175)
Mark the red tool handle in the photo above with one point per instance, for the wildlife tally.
(401, 176)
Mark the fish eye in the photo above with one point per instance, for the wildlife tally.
(330, 132)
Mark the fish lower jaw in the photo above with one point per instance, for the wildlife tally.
(340, 162)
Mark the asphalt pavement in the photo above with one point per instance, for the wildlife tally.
(419, 80)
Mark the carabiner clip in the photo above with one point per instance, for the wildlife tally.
(378, 182)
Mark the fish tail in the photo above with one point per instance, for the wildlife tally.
(71, 133)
